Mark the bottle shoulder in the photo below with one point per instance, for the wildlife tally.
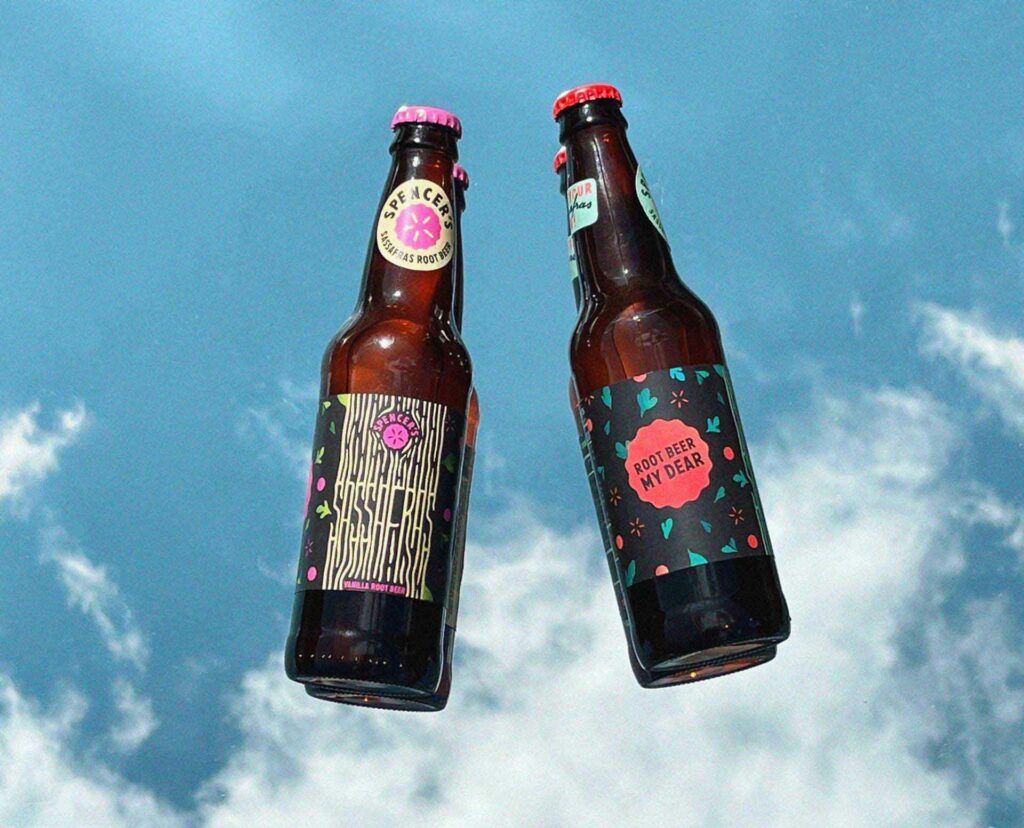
(387, 354)
(618, 337)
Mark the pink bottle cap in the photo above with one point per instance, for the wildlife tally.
(560, 158)
(582, 94)
(461, 176)
(427, 115)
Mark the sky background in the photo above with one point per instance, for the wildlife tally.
(186, 194)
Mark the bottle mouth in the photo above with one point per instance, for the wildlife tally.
(582, 94)
(408, 114)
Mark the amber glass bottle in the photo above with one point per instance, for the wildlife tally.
(675, 494)
(374, 592)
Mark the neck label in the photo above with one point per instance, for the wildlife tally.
(581, 202)
(416, 228)
(643, 193)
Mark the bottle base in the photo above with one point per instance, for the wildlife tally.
(376, 697)
(752, 656)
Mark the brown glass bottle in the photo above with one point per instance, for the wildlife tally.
(353, 644)
(639, 320)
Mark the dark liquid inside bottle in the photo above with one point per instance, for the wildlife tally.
(361, 647)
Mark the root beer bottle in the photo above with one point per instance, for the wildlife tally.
(675, 495)
(373, 616)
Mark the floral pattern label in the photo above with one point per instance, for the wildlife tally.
(643, 193)
(670, 473)
(581, 202)
(383, 498)
(416, 228)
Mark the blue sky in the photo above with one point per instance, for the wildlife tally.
(186, 193)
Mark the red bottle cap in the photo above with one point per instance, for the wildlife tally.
(560, 158)
(582, 94)
(460, 174)
(427, 115)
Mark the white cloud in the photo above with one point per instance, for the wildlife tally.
(91, 590)
(29, 452)
(992, 363)
(546, 726)
(136, 721)
(42, 784)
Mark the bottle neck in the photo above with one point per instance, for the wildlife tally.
(619, 249)
(416, 279)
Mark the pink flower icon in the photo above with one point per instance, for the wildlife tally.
(418, 227)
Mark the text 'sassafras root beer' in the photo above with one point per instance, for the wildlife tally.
(679, 510)
(380, 561)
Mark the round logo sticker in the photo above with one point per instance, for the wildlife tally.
(668, 463)
(643, 192)
(416, 228)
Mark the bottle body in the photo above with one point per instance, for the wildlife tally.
(372, 622)
(674, 492)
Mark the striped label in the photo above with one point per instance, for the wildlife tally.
(383, 495)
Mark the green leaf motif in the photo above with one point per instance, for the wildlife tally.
(740, 478)
(695, 559)
(323, 510)
(677, 374)
(600, 472)
(332, 428)
(608, 427)
(427, 594)
(720, 370)
(606, 396)
(701, 376)
(719, 395)
(666, 527)
(319, 456)
(720, 493)
(326, 404)
(730, 546)
(343, 399)
(306, 527)
(646, 401)
(630, 573)
(449, 463)
(706, 526)
(621, 449)
(713, 425)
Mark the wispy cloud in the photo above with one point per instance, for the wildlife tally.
(282, 428)
(991, 362)
(136, 720)
(1004, 224)
(91, 590)
(857, 314)
(852, 207)
(43, 784)
(28, 451)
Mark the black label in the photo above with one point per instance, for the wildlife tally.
(459, 547)
(671, 477)
(383, 497)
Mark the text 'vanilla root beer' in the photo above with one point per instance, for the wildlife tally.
(679, 510)
(380, 561)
